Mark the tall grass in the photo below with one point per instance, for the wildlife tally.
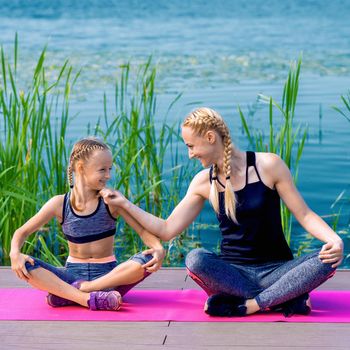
(284, 138)
(346, 103)
(146, 156)
(34, 148)
(32, 151)
(342, 198)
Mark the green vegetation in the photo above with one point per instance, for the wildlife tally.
(283, 138)
(346, 102)
(34, 149)
(343, 199)
(147, 162)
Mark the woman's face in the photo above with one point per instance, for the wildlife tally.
(200, 147)
(97, 169)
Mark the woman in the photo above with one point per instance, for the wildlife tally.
(255, 269)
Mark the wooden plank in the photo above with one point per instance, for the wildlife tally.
(340, 281)
(245, 347)
(76, 335)
(165, 278)
(174, 335)
(174, 278)
(321, 335)
(9, 280)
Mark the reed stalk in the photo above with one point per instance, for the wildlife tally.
(148, 167)
(284, 138)
(343, 198)
(32, 152)
(34, 148)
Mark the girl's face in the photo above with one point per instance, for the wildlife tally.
(97, 169)
(200, 147)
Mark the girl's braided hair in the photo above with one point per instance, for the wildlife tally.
(82, 150)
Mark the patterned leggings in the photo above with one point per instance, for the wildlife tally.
(269, 283)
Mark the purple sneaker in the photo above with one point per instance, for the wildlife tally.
(56, 301)
(100, 300)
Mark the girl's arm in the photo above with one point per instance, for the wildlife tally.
(332, 251)
(181, 217)
(49, 210)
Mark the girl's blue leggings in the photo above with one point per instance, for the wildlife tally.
(89, 271)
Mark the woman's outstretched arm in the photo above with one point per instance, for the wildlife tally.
(156, 248)
(181, 217)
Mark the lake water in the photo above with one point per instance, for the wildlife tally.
(219, 54)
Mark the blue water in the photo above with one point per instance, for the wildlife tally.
(217, 53)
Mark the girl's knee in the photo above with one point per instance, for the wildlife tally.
(31, 267)
(141, 258)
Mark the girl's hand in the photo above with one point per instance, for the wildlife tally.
(332, 252)
(112, 197)
(158, 257)
(18, 265)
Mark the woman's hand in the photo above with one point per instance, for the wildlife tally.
(158, 257)
(112, 197)
(332, 252)
(18, 266)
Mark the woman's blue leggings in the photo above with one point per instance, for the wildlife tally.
(270, 283)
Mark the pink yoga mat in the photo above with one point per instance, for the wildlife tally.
(162, 305)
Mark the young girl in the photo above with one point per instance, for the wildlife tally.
(255, 269)
(89, 226)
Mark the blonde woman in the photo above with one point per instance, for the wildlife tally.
(255, 269)
(88, 224)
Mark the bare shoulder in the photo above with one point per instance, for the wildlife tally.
(200, 184)
(268, 161)
(201, 177)
(271, 167)
(57, 200)
(55, 205)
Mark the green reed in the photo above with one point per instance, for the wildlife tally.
(32, 152)
(342, 198)
(34, 148)
(346, 103)
(145, 153)
(284, 138)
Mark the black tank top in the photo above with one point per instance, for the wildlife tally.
(258, 237)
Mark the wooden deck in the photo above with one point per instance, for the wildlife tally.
(172, 335)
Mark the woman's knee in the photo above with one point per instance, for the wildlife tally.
(328, 270)
(325, 269)
(196, 259)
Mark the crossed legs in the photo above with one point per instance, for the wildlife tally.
(261, 286)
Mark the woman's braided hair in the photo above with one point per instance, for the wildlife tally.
(82, 150)
(200, 121)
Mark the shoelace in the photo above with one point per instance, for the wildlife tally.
(106, 299)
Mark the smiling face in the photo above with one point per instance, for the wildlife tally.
(203, 148)
(96, 170)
